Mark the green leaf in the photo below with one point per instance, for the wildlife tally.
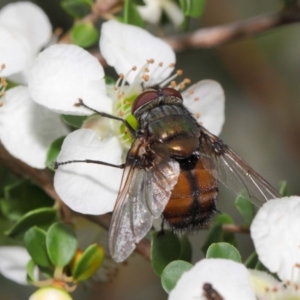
(76, 8)
(53, 152)
(22, 197)
(74, 121)
(90, 261)
(186, 249)
(6, 178)
(84, 34)
(172, 273)
(165, 247)
(223, 250)
(40, 216)
(215, 235)
(61, 243)
(283, 190)
(131, 14)
(192, 8)
(30, 271)
(35, 243)
(251, 261)
(245, 208)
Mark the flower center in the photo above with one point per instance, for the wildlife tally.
(124, 94)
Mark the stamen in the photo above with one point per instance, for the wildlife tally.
(171, 78)
(3, 85)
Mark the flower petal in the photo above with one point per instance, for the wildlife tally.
(64, 73)
(151, 11)
(26, 128)
(86, 187)
(275, 233)
(230, 279)
(28, 19)
(15, 51)
(13, 261)
(125, 46)
(206, 101)
(173, 12)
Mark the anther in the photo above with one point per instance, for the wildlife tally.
(150, 61)
(161, 64)
(197, 115)
(179, 72)
(134, 68)
(196, 99)
(79, 103)
(3, 66)
(146, 77)
(171, 65)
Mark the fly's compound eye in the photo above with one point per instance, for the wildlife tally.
(171, 92)
(142, 99)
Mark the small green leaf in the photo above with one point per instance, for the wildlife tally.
(90, 261)
(40, 216)
(251, 261)
(283, 189)
(61, 243)
(245, 208)
(76, 8)
(30, 271)
(53, 152)
(223, 250)
(215, 235)
(186, 249)
(165, 247)
(22, 197)
(35, 243)
(132, 15)
(172, 273)
(192, 8)
(84, 34)
(74, 121)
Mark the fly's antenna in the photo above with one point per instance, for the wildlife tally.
(103, 114)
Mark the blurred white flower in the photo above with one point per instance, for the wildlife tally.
(275, 233)
(70, 73)
(228, 278)
(153, 9)
(13, 262)
(26, 128)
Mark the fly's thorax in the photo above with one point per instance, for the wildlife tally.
(174, 127)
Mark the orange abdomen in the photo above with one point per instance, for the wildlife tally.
(193, 200)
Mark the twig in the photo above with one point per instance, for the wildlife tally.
(219, 35)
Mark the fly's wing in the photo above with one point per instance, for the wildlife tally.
(144, 194)
(233, 172)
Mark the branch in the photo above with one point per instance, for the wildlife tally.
(223, 34)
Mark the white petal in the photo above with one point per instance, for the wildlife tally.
(64, 73)
(263, 283)
(124, 46)
(13, 261)
(230, 279)
(151, 11)
(85, 187)
(275, 233)
(173, 12)
(26, 128)
(15, 51)
(206, 101)
(28, 19)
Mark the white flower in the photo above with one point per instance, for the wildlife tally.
(228, 278)
(153, 9)
(24, 31)
(275, 233)
(13, 262)
(92, 188)
(26, 128)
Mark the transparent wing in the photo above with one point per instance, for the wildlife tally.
(143, 196)
(233, 172)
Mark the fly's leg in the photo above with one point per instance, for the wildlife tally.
(90, 161)
(81, 103)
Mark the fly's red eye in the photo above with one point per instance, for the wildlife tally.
(171, 92)
(143, 98)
